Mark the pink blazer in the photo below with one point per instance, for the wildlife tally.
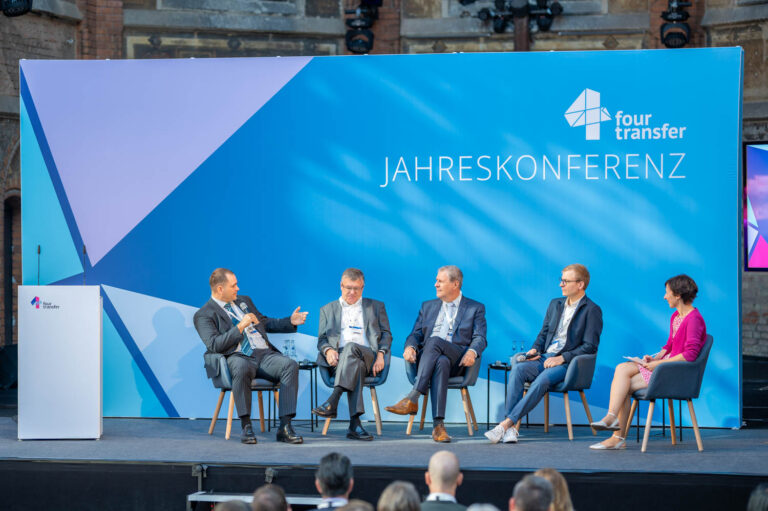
(690, 336)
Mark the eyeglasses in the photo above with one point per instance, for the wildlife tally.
(352, 288)
(566, 281)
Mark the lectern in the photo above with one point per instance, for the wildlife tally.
(60, 362)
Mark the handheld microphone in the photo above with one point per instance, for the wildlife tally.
(522, 357)
(244, 307)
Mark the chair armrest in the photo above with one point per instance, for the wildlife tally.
(581, 369)
(410, 371)
(471, 373)
(674, 380)
(325, 375)
(217, 370)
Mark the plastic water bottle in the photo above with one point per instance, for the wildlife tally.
(287, 348)
(292, 354)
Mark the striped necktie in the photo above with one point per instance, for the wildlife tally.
(245, 345)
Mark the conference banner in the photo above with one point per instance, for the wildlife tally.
(143, 176)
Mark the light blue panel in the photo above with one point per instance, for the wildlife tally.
(42, 222)
(126, 391)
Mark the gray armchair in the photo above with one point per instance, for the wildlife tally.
(218, 371)
(670, 381)
(461, 382)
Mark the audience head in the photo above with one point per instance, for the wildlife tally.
(758, 499)
(532, 493)
(269, 497)
(482, 507)
(232, 505)
(356, 505)
(334, 477)
(399, 496)
(682, 287)
(448, 283)
(443, 474)
(562, 500)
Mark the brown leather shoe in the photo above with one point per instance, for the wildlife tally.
(404, 407)
(439, 434)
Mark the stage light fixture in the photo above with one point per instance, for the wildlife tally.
(545, 13)
(541, 12)
(675, 32)
(359, 37)
(16, 7)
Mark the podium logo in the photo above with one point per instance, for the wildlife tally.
(36, 302)
(586, 111)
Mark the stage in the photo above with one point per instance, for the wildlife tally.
(156, 463)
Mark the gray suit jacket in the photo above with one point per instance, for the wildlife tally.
(376, 327)
(219, 335)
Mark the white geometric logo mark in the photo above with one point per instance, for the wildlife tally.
(586, 111)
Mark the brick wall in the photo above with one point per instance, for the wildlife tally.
(101, 31)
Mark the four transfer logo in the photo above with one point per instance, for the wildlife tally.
(36, 302)
(586, 111)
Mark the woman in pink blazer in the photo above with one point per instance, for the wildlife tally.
(687, 333)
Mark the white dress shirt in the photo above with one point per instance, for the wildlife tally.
(352, 324)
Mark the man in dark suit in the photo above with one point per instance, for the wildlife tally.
(572, 327)
(352, 341)
(449, 334)
(334, 480)
(232, 326)
(442, 478)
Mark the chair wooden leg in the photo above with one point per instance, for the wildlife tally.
(671, 406)
(695, 426)
(517, 426)
(261, 411)
(586, 409)
(410, 424)
(567, 404)
(464, 401)
(376, 411)
(648, 425)
(472, 411)
(216, 412)
(423, 411)
(632, 409)
(546, 412)
(229, 415)
(326, 425)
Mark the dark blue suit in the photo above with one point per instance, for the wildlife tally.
(582, 338)
(438, 359)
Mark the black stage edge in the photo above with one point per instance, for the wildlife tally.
(154, 464)
(32, 485)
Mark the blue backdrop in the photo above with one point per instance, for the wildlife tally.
(289, 170)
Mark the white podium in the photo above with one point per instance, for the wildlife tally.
(60, 362)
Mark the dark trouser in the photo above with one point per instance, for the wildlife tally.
(438, 361)
(355, 362)
(518, 406)
(269, 365)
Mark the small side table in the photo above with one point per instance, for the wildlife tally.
(496, 366)
(308, 365)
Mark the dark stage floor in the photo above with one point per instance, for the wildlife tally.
(740, 452)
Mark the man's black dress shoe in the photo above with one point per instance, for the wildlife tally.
(247, 436)
(325, 410)
(359, 433)
(288, 435)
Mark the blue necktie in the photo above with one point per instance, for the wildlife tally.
(245, 344)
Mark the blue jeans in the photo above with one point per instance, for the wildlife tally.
(518, 406)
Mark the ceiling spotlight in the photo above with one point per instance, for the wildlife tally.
(15, 7)
(676, 32)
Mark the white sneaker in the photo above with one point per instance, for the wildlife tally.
(510, 436)
(495, 435)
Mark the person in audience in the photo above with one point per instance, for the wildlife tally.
(482, 507)
(442, 478)
(449, 334)
(562, 500)
(334, 480)
(399, 496)
(231, 325)
(532, 493)
(758, 499)
(687, 333)
(269, 497)
(572, 327)
(232, 505)
(353, 340)
(357, 505)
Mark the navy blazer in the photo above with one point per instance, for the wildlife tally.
(583, 334)
(220, 335)
(469, 329)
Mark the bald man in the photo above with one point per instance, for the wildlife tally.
(442, 478)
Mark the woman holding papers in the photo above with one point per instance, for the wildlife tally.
(687, 333)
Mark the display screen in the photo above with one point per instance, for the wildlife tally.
(756, 207)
